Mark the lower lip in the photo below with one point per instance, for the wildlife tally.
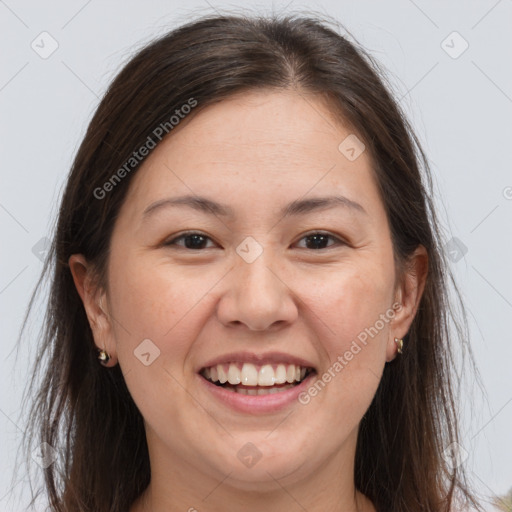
(257, 404)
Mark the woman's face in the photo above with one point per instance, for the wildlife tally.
(290, 266)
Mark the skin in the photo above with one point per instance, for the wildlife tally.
(254, 152)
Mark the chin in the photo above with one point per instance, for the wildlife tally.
(252, 469)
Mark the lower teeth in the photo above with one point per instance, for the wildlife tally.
(258, 391)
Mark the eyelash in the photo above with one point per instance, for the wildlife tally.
(172, 242)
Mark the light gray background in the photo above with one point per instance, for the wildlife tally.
(460, 107)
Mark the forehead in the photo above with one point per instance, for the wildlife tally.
(261, 143)
(263, 124)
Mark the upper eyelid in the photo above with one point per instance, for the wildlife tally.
(337, 238)
(187, 233)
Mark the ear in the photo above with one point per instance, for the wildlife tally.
(408, 294)
(95, 304)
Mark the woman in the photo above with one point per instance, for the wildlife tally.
(249, 302)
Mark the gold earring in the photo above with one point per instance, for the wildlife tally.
(400, 344)
(103, 357)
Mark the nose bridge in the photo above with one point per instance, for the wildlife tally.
(256, 296)
(258, 277)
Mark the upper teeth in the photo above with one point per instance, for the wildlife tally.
(253, 375)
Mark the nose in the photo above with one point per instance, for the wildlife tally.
(255, 295)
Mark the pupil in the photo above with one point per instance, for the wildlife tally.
(197, 241)
(318, 241)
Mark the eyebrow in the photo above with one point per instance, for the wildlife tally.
(297, 207)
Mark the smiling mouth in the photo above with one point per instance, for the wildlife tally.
(251, 379)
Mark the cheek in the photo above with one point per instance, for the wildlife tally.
(149, 301)
(351, 303)
(352, 306)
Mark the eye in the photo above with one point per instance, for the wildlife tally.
(319, 240)
(191, 240)
(196, 241)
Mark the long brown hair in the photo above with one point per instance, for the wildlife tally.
(87, 414)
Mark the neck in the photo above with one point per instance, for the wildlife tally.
(250, 502)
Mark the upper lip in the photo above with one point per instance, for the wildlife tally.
(259, 359)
